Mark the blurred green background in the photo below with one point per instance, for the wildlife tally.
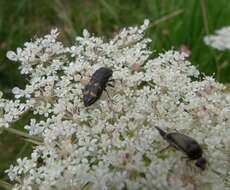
(21, 20)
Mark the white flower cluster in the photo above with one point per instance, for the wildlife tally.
(221, 40)
(113, 144)
(11, 111)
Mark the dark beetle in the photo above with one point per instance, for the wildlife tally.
(98, 82)
(187, 145)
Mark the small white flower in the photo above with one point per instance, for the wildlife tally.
(114, 144)
(11, 56)
(220, 40)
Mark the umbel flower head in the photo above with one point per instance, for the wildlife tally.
(221, 40)
(113, 144)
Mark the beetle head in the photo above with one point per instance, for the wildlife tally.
(201, 163)
(89, 100)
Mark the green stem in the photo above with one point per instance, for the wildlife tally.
(22, 134)
(5, 185)
(166, 17)
(204, 15)
(33, 141)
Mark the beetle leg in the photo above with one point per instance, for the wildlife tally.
(110, 100)
(111, 81)
(188, 163)
(162, 150)
(170, 172)
(184, 158)
(111, 85)
(79, 74)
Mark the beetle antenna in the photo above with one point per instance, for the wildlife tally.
(216, 172)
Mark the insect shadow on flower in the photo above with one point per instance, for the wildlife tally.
(97, 84)
(185, 144)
